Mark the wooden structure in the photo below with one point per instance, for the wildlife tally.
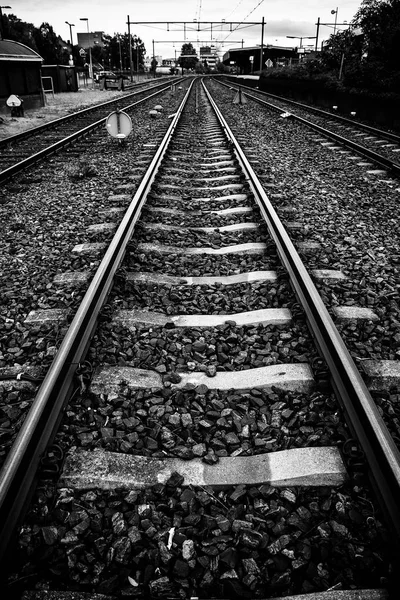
(20, 74)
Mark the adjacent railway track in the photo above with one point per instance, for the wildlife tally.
(24, 149)
(379, 146)
(191, 358)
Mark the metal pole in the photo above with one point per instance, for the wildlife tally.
(341, 66)
(316, 37)
(262, 45)
(334, 28)
(90, 54)
(120, 54)
(90, 49)
(130, 50)
(137, 58)
(154, 60)
(71, 25)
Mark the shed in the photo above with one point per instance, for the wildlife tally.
(247, 60)
(20, 74)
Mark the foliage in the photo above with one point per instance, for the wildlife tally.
(54, 50)
(363, 57)
(188, 58)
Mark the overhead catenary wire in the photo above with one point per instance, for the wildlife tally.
(242, 22)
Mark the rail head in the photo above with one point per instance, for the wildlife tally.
(360, 409)
(18, 473)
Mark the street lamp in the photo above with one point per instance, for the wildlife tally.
(334, 12)
(1, 21)
(90, 48)
(71, 25)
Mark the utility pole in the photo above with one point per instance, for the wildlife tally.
(130, 50)
(71, 25)
(154, 61)
(316, 37)
(262, 45)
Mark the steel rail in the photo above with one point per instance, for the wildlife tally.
(19, 470)
(50, 124)
(381, 160)
(368, 128)
(360, 409)
(27, 162)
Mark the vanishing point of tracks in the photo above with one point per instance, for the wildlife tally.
(191, 408)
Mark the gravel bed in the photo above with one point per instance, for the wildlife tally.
(166, 200)
(352, 215)
(348, 131)
(175, 542)
(227, 347)
(187, 238)
(199, 265)
(253, 542)
(202, 219)
(45, 213)
(207, 300)
(201, 423)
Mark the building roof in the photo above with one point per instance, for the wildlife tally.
(10, 50)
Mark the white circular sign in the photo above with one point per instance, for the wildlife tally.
(119, 125)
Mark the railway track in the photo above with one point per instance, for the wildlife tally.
(210, 433)
(376, 145)
(19, 151)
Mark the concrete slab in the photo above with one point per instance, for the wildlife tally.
(341, 595)
(328, 275)
(237, 210)
(382, 375)
(226, 198)
(293, 377)
(253, 277)
(90, 249)
(74, 278)
(377, 172)
(267, 316)
(309, 246)
(223, 229)
(212, 179)
(249, 248)
(101, 228)
(123, 198)
(354, 313)
(51, 315)
(287, 468)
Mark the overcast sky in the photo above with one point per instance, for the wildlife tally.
(282, 18)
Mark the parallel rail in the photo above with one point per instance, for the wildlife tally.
(382, 161)
(38, 430)
(8, 173)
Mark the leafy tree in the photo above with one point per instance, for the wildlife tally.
(50, 46)
(19, 31)
(188, 58)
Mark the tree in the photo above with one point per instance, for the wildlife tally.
(188, 58)
(50, 46)
(19, 31)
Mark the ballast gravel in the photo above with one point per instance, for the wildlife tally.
(248, 542)
(45, 212)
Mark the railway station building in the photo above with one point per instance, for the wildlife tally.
(20, 74)
(246, 61)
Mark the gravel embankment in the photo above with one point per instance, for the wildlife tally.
(171, 540)
(350, 213)
(45, 213)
